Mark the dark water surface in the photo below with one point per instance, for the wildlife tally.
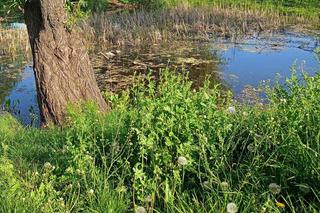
(236, 65)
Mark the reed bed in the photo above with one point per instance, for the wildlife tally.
(14, 43)
(144, 27)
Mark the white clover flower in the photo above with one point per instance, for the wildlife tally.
(274, 188)
(141, 209)
(47, 165)
(148, 199)
(182, 161)
(121, 189)
(251, 147)
(283, 100)
(232, 110)
(224, 185)
(232, 208)
(91, 191)
(245, 114)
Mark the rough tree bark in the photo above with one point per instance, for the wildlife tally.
(62, 67)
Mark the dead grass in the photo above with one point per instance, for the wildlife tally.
(14, 43)
(142, 27)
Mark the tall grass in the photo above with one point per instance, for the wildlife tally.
(165, 147)
(304, 8)
(145, 27)
(14, 43)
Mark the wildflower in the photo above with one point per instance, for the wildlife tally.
(251, 147)
(274, 188)
(121, 189)
(232, 110)
(283, 100)
(47, 166)
(182, 161)
(141, 209)
(245, 114)
(148, 199)
(224, 185)
(90, 192)
(280, 205)
(232, 208)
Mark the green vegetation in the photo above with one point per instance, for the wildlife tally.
(167, 147)
(304, 7)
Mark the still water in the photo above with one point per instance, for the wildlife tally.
(242, 63)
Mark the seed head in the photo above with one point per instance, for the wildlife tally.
(224, 185)
(274, 188)
(47, 166)
(251, 147)
(90, 192)
(232, 110)
(232, 208)
(141, 209)
(182, 161)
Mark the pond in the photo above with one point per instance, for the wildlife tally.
(236, 65)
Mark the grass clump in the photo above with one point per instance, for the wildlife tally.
(169, 148)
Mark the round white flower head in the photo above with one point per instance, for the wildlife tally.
(232, 110)
(47, 165)
(224, 185)
(90, 192)
(274, 188)
(232, 208)
(182, 161)
(251, 147)
(141, 209)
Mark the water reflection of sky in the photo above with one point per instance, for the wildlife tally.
(254, 60)
(23, 98)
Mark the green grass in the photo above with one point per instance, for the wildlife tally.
(168, 148)
(304, 8)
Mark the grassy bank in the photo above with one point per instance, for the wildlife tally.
(168, 148)
(305, 8)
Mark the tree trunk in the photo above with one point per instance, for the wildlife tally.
(62, 67)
